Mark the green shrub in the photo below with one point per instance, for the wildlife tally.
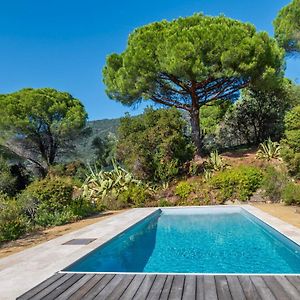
(291, 193)
(135, 195)
(154, 146)
(13, 223)
(83, 207)
(164, 203)
(184, 189)
(7, 180)
(239, 182)
(52, 201)
(45, 218)
(52, 193)
(166, 170)
(74, 169)
(292, 160)
(292, 128)
(273, 183)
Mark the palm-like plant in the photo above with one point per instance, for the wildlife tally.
(99, 183)
(268, 150)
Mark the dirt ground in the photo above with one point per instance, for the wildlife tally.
(289, 214)
(39, 237)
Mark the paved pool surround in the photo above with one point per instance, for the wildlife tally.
(24, 270)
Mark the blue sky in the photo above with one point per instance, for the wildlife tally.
(63, 43)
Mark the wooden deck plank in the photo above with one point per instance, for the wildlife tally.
(223, 291)
(133, 287)
(295, 281)
(157, 287)
(40, 287)
(190, 286)
(145, 287)
(110, 287)
(177, 287)
(51, 287)
(76, 286)
(235, 288)
(97, 288)
(275, 287)
(167, 288)
(60, 289)
(121, 287)
(261, 287)
(80, 293)
(248, 287)
(200, 288)
(288, 287)
(210, 289)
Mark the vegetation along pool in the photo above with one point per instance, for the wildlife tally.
(196, 240)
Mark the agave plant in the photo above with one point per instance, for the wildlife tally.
(268, 150)
(99, 183)
(215, 162)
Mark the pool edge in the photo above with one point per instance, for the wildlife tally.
(275, 223)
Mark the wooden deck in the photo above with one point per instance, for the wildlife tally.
(160, 287)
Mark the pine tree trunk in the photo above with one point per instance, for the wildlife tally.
(196, 134)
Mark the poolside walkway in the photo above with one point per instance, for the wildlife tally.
(182, 287)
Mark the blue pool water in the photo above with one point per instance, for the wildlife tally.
(197, 240)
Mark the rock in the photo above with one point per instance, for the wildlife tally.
(257, 197)
(228, 202)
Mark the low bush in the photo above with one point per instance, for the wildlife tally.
(134, 196)
(13, 223)
(45, 218)
(52, 201)
(273, 183)
(184, 189)
(291, 193)
(75, 169)
(236, 183)
(292, 160)
(52, 194)
(164, 203)
(7, 180)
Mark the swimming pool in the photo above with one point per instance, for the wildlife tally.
(196, 240)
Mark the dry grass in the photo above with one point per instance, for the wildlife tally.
(289, 214)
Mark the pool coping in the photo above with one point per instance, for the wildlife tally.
(24, 270)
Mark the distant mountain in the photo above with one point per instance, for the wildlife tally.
(98, 128)
(103, 127)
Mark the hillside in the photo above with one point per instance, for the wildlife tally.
(98, 128)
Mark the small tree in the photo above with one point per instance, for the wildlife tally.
(257, 115)
(154, 145)
(39, 124)
(287, 27)
(191, 61)
(291, 142)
